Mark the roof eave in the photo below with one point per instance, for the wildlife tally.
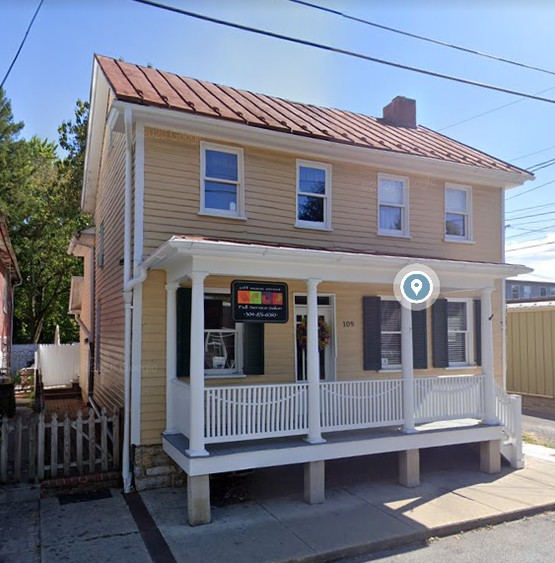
(95, 134)
(224, 130)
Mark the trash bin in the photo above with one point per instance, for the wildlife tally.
(7, 397)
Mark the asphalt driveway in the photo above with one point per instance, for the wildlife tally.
(538, 420)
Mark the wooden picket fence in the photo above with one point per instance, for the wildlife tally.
(34, 449)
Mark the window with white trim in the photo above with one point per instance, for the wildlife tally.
(390, 311)
(221, 189)
(393, 208)
(458, 213)
(313, 195)
(459, 332)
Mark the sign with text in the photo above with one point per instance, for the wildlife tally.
(261, 302)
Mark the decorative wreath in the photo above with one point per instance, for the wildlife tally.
(323, 334)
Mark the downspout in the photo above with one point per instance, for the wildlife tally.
(11, 318)
(128, 285)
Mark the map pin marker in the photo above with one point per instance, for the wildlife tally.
(416, 286)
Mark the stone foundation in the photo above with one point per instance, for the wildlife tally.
(153, 468)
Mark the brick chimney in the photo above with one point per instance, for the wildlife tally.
(400, 112)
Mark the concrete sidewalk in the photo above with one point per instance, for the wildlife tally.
(365, 510)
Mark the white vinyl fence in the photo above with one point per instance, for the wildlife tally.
(58, 363)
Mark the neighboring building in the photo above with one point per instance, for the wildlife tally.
(9, 278)
(529, 290)
(194, 185)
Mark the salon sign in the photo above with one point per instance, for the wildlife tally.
(262, 302)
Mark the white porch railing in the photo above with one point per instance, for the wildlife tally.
(250, 412)
(448, 397)
(347, 405)
(246, 412)
(509, 411)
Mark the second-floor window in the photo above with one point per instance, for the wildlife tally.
(221, 190)
(458, 222)
(313, 195)
(393, 199)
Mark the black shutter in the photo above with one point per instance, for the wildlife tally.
(183, 331)
(440, 342)
(478, 332)
(372, 333)
(253, 348)
(419, 339)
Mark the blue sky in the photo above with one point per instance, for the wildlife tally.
(54, 68)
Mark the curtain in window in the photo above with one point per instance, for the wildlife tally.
(391, 218)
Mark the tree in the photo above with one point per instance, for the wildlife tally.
(41, 201)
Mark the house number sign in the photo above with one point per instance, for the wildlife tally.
(261, 302)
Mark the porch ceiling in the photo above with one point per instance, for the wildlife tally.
(180, 256)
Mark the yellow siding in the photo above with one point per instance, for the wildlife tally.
(172, 179)
(531, 351)
(108, 383)
(153, 392)
(279, 345)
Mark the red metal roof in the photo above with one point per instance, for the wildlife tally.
(148, 86)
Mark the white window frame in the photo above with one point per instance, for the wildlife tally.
(391, 367)
(467, 215)
(404, 232)
(469, 341)
(325, 225)
(226, 373)
(239, 213)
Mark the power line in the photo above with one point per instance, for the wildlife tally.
(530, 246)
(531, 153)
(530, 231)
(22, 42)
(534, 215)
(493, 110)
(423, 38)
(530, 190)
(513, 225)
(532, 207)
(340, 51)
(542, 165)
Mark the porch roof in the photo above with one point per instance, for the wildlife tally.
(181, 255)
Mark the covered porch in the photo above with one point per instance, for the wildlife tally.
(314, 419)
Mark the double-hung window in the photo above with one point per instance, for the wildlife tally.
(393, 205)
(390, 312)
(222, 188)
(313, 195)
(458, 213)
(458, 332)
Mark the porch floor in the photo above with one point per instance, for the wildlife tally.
(350, 443)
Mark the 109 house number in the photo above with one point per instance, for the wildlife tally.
(348, 324)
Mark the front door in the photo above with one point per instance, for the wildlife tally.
(326, 331)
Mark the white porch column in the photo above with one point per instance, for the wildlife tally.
(171, 352)
(196, 411)
(487, 357)
(407, 369)
(313, 363)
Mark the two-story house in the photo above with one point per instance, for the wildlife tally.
(217, 208)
